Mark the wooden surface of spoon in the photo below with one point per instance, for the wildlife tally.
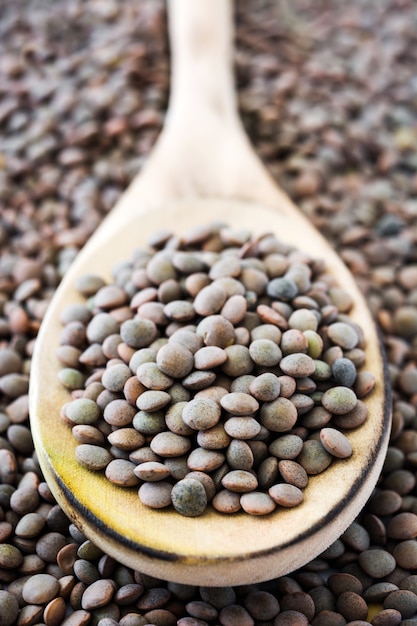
(201, 170)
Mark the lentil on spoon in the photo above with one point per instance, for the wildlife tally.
(255, 286)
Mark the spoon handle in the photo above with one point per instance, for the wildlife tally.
(203, 150)
(201, 36)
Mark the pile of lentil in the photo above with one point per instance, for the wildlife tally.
(327, 93)
(216, 368)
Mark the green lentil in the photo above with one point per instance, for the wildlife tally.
(138, 333)
(303, 319)
(152, 377)
(115, 377)
(343, 335)
(189, 497)
(153, 400)
(265, 352)
(82, 411)
(314, 458)
(100, 327)
(10, 556)
(9, 608)
(339, 400)
(286, 447)
(71, 378)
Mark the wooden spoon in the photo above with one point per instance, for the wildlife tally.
(202, 169)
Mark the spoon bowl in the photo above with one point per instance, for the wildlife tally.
(202, 170)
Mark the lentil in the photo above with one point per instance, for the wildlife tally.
(156, 495)
(291, 618)
(257, 503)
(335, 443)
(354, 178)
(314, 458)
(403, 601)
(286, 495)
(189, 497)
(211, 347)
(242, 427)
(93, 457)
(201, 413)
(40, 589)
(377, 563)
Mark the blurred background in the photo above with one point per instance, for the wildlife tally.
(327, 92)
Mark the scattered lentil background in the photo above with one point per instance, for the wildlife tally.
(328, 95)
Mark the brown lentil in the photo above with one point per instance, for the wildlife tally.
(291, 618)
(156, 495)
(386, 617)
(201, 413)
(293, 473)
(202, 460)
(257, 503)
(242, 427)
(405, 554)
(151, 471)
(121, 473)
(239, 481)
(226, 501)
(174, 360)
(209, 357)
(403, 601)
(93, 457)
(402, 526)
(352, 606)
(335, 443)
(286, 495)
(238, 403)
(267, 472)
(40, 589)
